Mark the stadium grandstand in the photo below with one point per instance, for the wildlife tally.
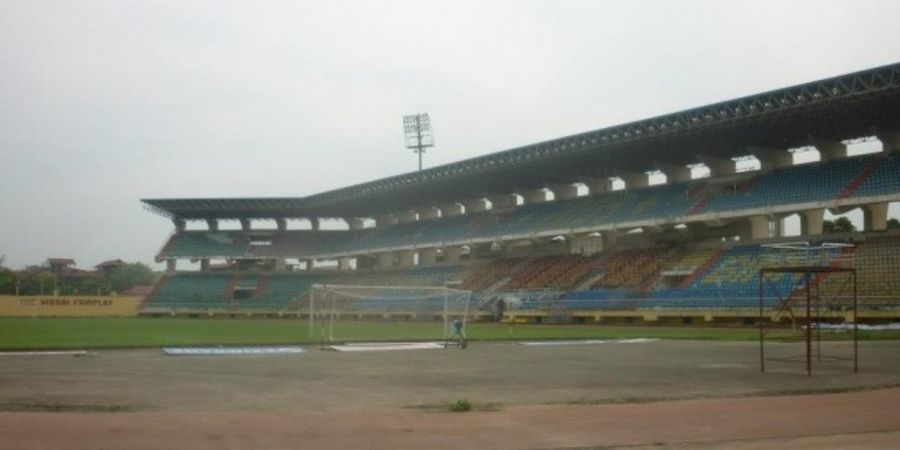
(659, 219)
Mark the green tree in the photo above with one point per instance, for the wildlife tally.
(8, 278)
(839, 225)
(129, 275)
(893, 223)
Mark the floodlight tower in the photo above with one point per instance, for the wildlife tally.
(417, 134)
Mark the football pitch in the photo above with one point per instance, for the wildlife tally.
(96, 333)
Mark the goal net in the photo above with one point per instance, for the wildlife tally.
(348, 313)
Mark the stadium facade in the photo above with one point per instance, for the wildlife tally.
(577, 224)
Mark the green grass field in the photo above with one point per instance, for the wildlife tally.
(85, 333)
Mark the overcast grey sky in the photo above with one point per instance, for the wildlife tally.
(106, 102)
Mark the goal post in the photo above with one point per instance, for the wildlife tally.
(351, 313)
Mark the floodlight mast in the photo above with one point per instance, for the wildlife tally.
(417, 134)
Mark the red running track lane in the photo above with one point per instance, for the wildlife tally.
(523, 427)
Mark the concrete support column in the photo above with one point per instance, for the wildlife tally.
(771, 158)
(355, 223)
(429, 213)
(875, 216)
(407, 258)
(385, 221)
(609, 239)
(314, 223)
(502, 201)
(756, 227)
(598, 185)
(245, 224)
(634, 180)
(344, 263)
(212, 224)
(675, 174)
(890, 140)
(532, 196)
(171, 265)
(475, 206)
(719, 166)
(829, 150)
(407, 216)
(310, 264)
(281, 223)
(564, 191)
(452, 254)
(386, 260)
(811, 222)
(204, 265)
(427, 256)
(451, 209)
(179, 225)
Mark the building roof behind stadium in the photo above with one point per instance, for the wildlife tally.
(840, 108)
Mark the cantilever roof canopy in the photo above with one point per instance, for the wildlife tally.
(844, 107)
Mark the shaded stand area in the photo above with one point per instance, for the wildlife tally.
(804, 304)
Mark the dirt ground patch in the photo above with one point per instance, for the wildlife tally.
(674, 392)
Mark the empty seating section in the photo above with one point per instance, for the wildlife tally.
(877, 260)
(192, 291)
(632, 267)
(208, 244)
(797, 184)
(855, 177)
(693, 259)
(716, 277)
(558, 272)
(885, 179)
(492, 273)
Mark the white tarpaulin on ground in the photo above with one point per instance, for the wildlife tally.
(589, 341)
(862, 326)
(190, 351)
(385, 346)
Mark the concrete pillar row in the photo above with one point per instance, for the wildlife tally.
(771, 158)
(532, 196)
(609, 239)
(502, 201)
(675, 174)
(811, 222)
(386, 220)
(452, 254)
(407, 216)
(407, 258)
(829, 150)
(475, 206)
(429, 213)
(385, 260)
(564, 191)
(719, 166)
(634, 180)
(875, 216)
(598, 185)
(451, 209)
(427, 256)
(355, 223)
(756, 227)
(890, 140)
